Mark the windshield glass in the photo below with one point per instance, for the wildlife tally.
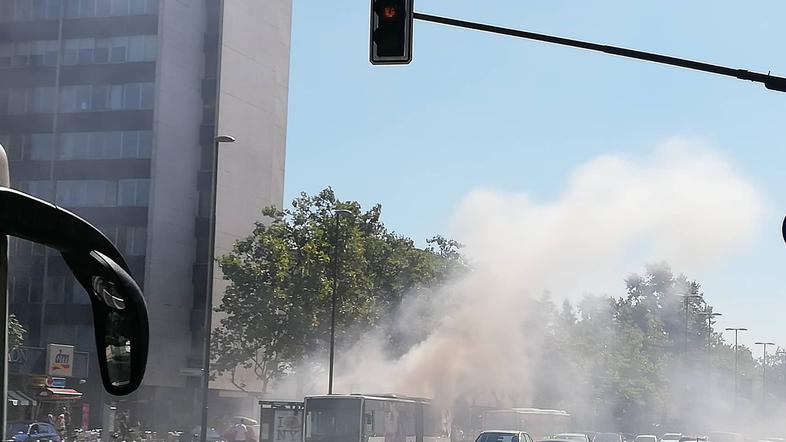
(498, 437)
(576, 437)
(14, 428)
(607, 437)
(332, 420)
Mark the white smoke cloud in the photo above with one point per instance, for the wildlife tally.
(684, 204)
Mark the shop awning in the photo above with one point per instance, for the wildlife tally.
(63, 393)
(16, 397)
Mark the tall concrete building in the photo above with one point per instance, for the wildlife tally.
(110, 108)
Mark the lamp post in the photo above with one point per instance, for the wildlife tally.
(736, 330)
(336, 249)
(208, 320)
(764, 373)
(686, 299)
(709, 316)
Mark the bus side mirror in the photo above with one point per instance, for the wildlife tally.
(119, 310)
(119, 318)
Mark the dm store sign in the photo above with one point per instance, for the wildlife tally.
(60, 360)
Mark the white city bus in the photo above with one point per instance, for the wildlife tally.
(539, 423)
(373, 418)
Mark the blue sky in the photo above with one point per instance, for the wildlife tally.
(479, 110)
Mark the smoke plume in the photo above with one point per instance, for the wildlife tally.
(683, 203)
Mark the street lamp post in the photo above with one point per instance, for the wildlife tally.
(336, 251)
(782, 354)
(687, 299)
(208, 320)
(764, 373)
(736, 330)
(709, 316)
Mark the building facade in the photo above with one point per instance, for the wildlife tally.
(110, 109)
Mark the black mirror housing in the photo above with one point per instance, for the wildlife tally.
(119, 310)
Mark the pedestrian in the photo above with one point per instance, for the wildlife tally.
(240, 432)
(60, 424)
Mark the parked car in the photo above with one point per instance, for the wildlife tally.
(32, 432)
(608, 437)
(671, 437)
(574, 437)
(646, 438)
(212, 434)
(503, 436)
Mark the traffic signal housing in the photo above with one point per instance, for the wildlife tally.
(391, 31)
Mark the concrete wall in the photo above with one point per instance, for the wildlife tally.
(173, 195)
(252, 106)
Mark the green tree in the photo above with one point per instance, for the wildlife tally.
(16, 333)
(276, 309)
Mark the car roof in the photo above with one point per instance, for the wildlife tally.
(502, 431)
(571, 434)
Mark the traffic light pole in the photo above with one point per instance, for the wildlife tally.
(771, 82)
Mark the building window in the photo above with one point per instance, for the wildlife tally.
(120, 7)
(6, 54)
(135, 241)
(86, 47)
(23, 10)
(133, 193)
(87, 8)
(79, 51)
(71, 8)
(20, 288)
(55, 290)
(42, 146)
(103, 8)
(79, 294)
(128, 96)
(86, 193)
(53, 8)
(4, 96)
(22, 54)
(17, 101)
(103, 46)
(39, 188)
(42, 100)
(105, 145)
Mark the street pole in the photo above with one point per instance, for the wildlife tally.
(709, 316)
(764, 374)
(208, 319)
(687, 298)
(5, 181)
(336, 250)
(736, 330)
(771, 82)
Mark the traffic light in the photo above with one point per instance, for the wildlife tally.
(391, 31)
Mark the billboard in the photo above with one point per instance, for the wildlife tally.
(60, 360)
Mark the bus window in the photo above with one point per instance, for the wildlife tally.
(332, 420)
(389, 421)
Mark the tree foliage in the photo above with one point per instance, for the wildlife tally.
(16, 333)
(277, 306)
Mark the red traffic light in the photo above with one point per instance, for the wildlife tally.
(389, 13)
(391, 31)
